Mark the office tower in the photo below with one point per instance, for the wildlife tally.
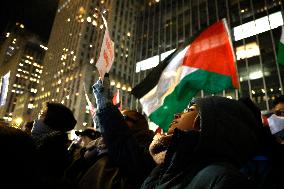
(20, 69)
(73, 50)
(255, 28)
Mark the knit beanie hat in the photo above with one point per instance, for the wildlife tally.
(59, 117)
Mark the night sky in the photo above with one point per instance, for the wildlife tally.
(36, 15)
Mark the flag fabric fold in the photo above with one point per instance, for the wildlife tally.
(208, 64)
(281, 48)
(116, 99)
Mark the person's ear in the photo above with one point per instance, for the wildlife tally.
(196, 123)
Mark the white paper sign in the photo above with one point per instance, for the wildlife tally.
(106, 57)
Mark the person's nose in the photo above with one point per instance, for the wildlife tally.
(177, 115)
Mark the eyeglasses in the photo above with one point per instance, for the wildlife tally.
(188, 109)
(279, 112)
(127, 118)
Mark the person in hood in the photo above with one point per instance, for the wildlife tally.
(205, 147)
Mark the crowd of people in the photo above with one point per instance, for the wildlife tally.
(215, 143)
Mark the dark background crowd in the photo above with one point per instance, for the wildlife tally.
(215, 143)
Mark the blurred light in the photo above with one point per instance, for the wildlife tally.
(128, 34)
(68, 20)
(255, 75)
(94, 23)
(7, 34)
(118, 85)
(252, 91)
(129, 89)
(258, 26)
(101, 26)
(22, 26)
(271, 90)
(230, 97)
(89, 19)
(30, 106)
(91, 46)
(152, 61)
(42, 46)
(247, 51)
(84, 124)
(112, 83)
(123, 88)
(263, 91)
(91, 61)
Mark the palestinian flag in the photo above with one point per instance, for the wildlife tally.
(208, 64)
(281, 48)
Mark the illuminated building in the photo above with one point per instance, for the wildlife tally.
(73, 50)
(255, 29)
(20, 69)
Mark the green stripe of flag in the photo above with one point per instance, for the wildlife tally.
(185, 91)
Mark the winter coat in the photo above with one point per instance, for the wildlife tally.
(212, 157)
(125, 151)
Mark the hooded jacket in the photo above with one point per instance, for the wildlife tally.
(212, 157)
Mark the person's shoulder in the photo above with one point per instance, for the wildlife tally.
(219, 175)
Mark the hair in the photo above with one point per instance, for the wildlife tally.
(140, 119)
(278, 100)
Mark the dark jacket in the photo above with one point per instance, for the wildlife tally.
(53, 159)
(132, 158)
(212, 157)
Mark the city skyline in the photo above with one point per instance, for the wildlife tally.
(144, 33)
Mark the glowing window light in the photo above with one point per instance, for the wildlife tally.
(95, 23)
(151, 62)
(118, 85)
(89, 19)
(255, 75)
(247, 51)
(258, 26)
